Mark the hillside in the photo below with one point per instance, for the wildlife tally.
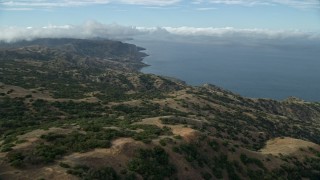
(80, 109)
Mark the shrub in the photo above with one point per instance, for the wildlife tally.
(152, 164)
(247, 160)
(6, 147)
(163, 142)
(16, 159)
(214, 145)
(206, 175)
(64, 165)
(102, 173)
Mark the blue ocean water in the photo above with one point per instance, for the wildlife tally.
(263, 71)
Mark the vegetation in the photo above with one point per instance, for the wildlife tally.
(152, 164)
(61, 97)
(85, 172)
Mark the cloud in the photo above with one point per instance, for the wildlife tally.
(299, 3)
(25, 4)
(92, 29)
(230, 31)
(206, 9)
(304, 4)
(16, 9)
(49, 4)
(150, 2)
(71, 3)
(241, 2)
(87, 30)
(292, 3)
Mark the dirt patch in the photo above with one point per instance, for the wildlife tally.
(121, 151)
(39, 132)
(2, 155)
(53, 172)
(16, 91)
(185, 132)
(287, 146)
(129, 103)
(31, 137)
(26, 144)
(153, 121)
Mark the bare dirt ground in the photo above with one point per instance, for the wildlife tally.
(16, 91)
(53, 172)
(39, 132)
(121, 151)
(34, 136)
(22, 92)
(172, 101)
(287, 146)
(181, 130)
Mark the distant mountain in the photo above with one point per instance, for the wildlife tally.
(80, 109)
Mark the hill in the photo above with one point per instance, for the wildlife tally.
(80, 109)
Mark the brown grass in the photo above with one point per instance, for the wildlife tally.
(287, 146)
(53, 172)
(121, 151)
(186, 132)
(37, 94)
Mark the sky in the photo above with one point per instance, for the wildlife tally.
(184, 17)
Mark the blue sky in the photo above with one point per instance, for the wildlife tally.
(261, 14)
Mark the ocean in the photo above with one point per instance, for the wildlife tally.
(257, 71)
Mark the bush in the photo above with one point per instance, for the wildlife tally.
(217, 173)
(165, 141)
(45, 154)
(152, 164)
(214, 145)
(64, 165)
(206, 175)
(191, 154)
(16, 159)
(102, 173)
(247, 160)
(6, 147)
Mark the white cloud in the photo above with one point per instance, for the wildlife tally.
(16, 9)
(48, 3)
(299, 3)
(87, 30)
(292, 3)
(66, 3)
(150, 2)
(206, 9)
(197, 1)
(22, 4)
(230, 31)
(63, 3)
(241, 2)
(93, 29)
